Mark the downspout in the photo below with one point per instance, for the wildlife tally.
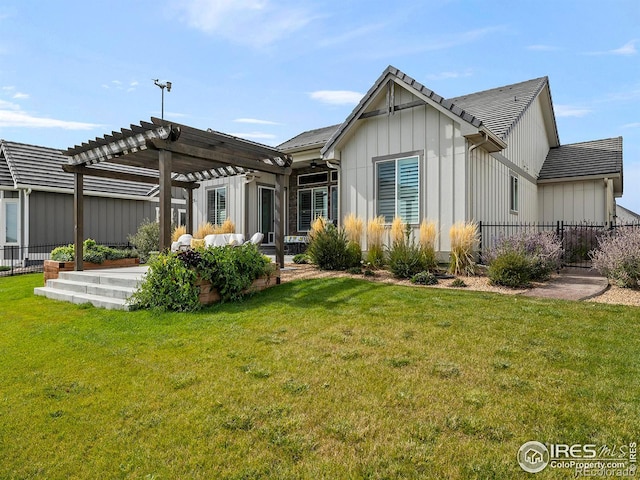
(336, 166)
(468, 182)
(27, 215)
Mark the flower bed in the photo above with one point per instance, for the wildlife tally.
(52, 268)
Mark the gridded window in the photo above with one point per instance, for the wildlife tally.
(11, 222)
(398, 189)
(312, 203)
(217, 205)
(513, 192)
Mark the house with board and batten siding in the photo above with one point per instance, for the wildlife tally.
(36, 203)
(492, 156)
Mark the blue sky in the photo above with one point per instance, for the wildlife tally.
(267, 70)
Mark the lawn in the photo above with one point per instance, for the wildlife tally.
(329, 378)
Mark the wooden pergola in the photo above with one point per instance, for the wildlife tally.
(173, 155)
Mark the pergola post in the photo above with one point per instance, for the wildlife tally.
(164, 159)
(78, 220)
(190, 210)
(279, 219)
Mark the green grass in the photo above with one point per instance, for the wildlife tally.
(333, 378)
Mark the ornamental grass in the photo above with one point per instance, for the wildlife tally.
(178, 232)
(375, 236)
(398, 231)
(353, 227)
(464, 239)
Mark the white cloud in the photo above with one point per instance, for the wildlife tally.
(570, 111)
(254, 135)
(627, 49)
(20, 96)
(631, 125)
(337, 97)
(12, 116)
(256, 23)
(256, 121)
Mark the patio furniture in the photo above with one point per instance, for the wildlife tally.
(222, 239)
(183, 242)
(256, 238)
(294, 244)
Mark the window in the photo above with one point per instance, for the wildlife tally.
(312, 203)
(513, 193)
(334, 204)
(397, 186)
(312, 178)
(334, 175)
(11, 222)
(217, 205)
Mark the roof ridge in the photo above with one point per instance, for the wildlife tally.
(480, 92)
(619, 137)
(61, 150)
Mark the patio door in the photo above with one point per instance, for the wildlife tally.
(267, 213)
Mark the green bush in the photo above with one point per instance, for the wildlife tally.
(329, 250)
(510, 269)
(146, 239)
(424, 278)
(301, 258)
(458, 283)
(91, 252)
(375, 257)
(170, 281)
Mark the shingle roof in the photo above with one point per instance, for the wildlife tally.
(6, 180)
(42, 167)
(597, 157)
(500, 108)
(317, 137)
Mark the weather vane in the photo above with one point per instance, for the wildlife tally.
(162, 86)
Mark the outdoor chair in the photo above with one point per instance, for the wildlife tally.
(256, 239)
(183, 242)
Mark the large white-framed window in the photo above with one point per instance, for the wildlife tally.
(312, 203)
(10, 219)
(217, 205)
(398, 189)
(513, 192)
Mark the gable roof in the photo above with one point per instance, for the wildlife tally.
(38, 167)
(501, 108)
(311, 138)
(599, 158)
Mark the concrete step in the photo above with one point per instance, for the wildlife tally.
(99, 289)
(80, 298)
(103, 278)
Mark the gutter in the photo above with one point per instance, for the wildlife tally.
(39, 188)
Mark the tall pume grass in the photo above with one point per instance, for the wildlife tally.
(318, 225)
(464, 239)
(227, 226)
(375, 239)
(178, 232)
(398, 231)
(204, 229)
(428, 233)
(353, 227)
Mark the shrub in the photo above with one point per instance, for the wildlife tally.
(170, 281)
(91, 252)
(618, 257)
(424, 278)
(301, 258)
(405, 258)
(375, 234)
(458, 283)
(328, 249)
(510, 269)
(146, 239)
(464, 239)
(543, 251)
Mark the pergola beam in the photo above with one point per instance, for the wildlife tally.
(94, 172)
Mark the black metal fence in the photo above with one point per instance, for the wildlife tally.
(578, 239)
(17, 259)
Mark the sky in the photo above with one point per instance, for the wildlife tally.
(267, 70)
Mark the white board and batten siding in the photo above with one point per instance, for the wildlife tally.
(235, 200)
(420, 130)
(578, 201)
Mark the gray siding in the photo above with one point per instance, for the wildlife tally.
(573, 201)
(106, 220)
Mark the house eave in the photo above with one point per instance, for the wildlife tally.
(615, 176)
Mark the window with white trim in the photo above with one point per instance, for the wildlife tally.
(398, 189)
(312, 203)
(217, 205)
(10, 221)
(513, 193)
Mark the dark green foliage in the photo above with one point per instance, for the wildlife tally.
(405, 259)
(375, 257)
(170, 281)
(511, 269)
(146, 239)
(91, 252)
(458, 283)
(424, 278)
(329, 250)
(354, 270)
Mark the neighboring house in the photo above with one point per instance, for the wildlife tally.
(624, 216)
(36, 203)
(492, 156)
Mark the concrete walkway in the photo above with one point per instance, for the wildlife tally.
(571, 284)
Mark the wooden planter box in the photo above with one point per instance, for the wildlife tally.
(209, 295)
(52, 267)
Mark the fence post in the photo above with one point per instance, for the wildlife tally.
(480, 240)
(11, 250)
